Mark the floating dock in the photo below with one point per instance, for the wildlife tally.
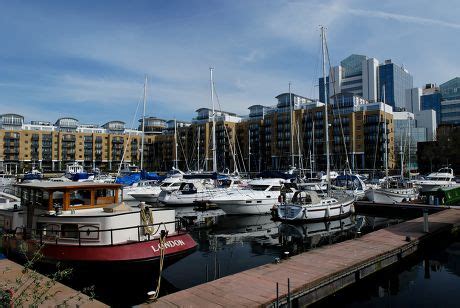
(308, 277)
(57, 295)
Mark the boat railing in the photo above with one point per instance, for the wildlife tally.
(53, 236)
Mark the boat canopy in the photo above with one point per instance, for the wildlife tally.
(348, 181)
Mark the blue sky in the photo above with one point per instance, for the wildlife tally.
(88, 59)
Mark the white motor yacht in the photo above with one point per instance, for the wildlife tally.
(258, 198)
(307, 206)
(150, 193)
(142, 189)
(443, 178)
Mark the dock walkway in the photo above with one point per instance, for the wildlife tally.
(315, 274)
(58, 294)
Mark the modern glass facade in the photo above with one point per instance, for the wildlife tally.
(395, 80)
(406, 137)
(432, 101)
(450, 112)
(353, 65)
(451, 89)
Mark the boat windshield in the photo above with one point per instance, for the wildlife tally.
(436, 178)
(259, 187)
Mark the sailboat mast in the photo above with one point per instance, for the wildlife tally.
(249, 151)
(385, 134)
(291, 126)
(214, 153)
(328, 163)
(408, 149)
(198, 151)
(300, 161)
(143, 124)
(175, 144)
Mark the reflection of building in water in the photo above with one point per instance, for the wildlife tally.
(236, 229)
(297, 238)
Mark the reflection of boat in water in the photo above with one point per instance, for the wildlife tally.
(297, 238)
(234, 229)
(371, 223)
(197, 218)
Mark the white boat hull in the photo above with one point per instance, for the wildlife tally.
(247, 207)
(315, 212)
(427, 187)
(391, 195)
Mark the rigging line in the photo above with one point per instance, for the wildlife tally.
(316, 70)
(347, 163)
(376, 146)
(129, 137)
(183, 153)
(226, 131)
(241, 154)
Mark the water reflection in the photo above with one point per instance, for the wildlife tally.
(297, 238)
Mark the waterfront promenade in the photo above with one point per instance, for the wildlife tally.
(318, 273)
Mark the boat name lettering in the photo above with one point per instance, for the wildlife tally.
(168, 244)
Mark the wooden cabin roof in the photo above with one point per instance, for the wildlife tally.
(68, 185)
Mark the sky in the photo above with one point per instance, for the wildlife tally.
(88, 59)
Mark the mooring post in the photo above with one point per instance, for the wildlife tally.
(207, 273)
(425, 221)
(277, 297)
(289, 294)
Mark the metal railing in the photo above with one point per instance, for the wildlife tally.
(142, 235)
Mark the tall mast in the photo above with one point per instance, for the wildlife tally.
(299, 159)
(198, 151)
(291, 126)
(328, 163)
(143, 124)
(401, 152)
(408, 149)
(249, 151)
(214, 153)
(385, 134)
(175, 145)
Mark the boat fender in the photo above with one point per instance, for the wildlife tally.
(328, 212)
(305, 213)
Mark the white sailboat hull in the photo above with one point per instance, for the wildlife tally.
(294, 212)
(391, 195)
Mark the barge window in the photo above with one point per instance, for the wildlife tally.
(275, 188)
(104, 196)
(80, 197)
(69, 231)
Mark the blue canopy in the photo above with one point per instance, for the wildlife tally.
(151, 176)
(128, 180)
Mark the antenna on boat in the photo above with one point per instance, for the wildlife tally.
(143, 124)
(328, 163)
